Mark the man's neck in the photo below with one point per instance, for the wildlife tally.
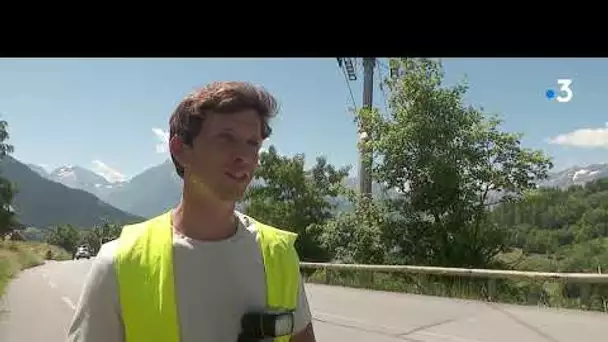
(204, 219)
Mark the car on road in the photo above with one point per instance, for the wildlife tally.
(82, 252)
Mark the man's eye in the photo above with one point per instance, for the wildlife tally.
(226, 137)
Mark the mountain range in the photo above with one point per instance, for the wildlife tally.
(41, 202)
(147, 194)
(151, 192)
(77, 177)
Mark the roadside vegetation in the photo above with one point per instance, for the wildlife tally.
(58, 243)
(19, 255)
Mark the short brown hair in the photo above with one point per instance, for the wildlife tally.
(223, 98)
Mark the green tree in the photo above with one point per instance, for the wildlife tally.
(7, 188)
(546, 219)
(8, 219)
(66, 236)
(447, 160)
(290, 197)
(355, 236)
(101, 234)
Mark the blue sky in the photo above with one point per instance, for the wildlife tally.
(109, 115)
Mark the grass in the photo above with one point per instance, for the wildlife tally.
(541, 293)
(16, 256)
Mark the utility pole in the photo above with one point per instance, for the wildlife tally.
(365, 178)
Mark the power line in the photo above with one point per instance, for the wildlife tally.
(347, 79)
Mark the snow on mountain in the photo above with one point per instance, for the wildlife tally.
(576, 176)
(77, 177)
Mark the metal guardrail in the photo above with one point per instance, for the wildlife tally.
(586, 280)
(589, 278)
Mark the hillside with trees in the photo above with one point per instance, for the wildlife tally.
(559, 230)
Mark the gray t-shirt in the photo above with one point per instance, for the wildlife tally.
(216, 283)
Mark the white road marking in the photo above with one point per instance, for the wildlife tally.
(329, 317)
(52, 285)
(447, 337)
(68, 302)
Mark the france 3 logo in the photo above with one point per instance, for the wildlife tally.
(564, 94)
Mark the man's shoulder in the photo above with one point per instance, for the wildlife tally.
(105, 256)
(270, 235)
(161, 219)
(130, 233)
(255, 225)
(102, 268)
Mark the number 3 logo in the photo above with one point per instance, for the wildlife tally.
(565, 91)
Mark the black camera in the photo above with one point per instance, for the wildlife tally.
(258, 326)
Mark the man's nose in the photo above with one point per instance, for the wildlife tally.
(245, 155)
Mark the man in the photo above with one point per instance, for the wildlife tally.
(217, 266)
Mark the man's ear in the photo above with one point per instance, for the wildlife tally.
(179, 150)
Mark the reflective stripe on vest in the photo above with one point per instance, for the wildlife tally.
(144, 267)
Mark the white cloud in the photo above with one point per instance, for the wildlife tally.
(107, 172)
(162, 146)
(584, 137)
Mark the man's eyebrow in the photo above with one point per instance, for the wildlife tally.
(232, 130)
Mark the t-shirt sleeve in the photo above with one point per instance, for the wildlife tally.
(302, 314)
(97, 317)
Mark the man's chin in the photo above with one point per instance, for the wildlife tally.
(231, 195)
(219, 190)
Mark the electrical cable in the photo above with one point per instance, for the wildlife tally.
(350, 90)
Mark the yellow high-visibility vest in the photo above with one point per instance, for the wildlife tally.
(144, 267)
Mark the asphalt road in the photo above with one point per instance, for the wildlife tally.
(39, 305)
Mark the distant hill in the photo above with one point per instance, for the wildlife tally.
(41, 202)
(158, 188)
(150, 193)
(77, 177)
(39, 170)
(153, 191)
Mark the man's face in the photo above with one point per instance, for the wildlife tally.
(224, 155)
